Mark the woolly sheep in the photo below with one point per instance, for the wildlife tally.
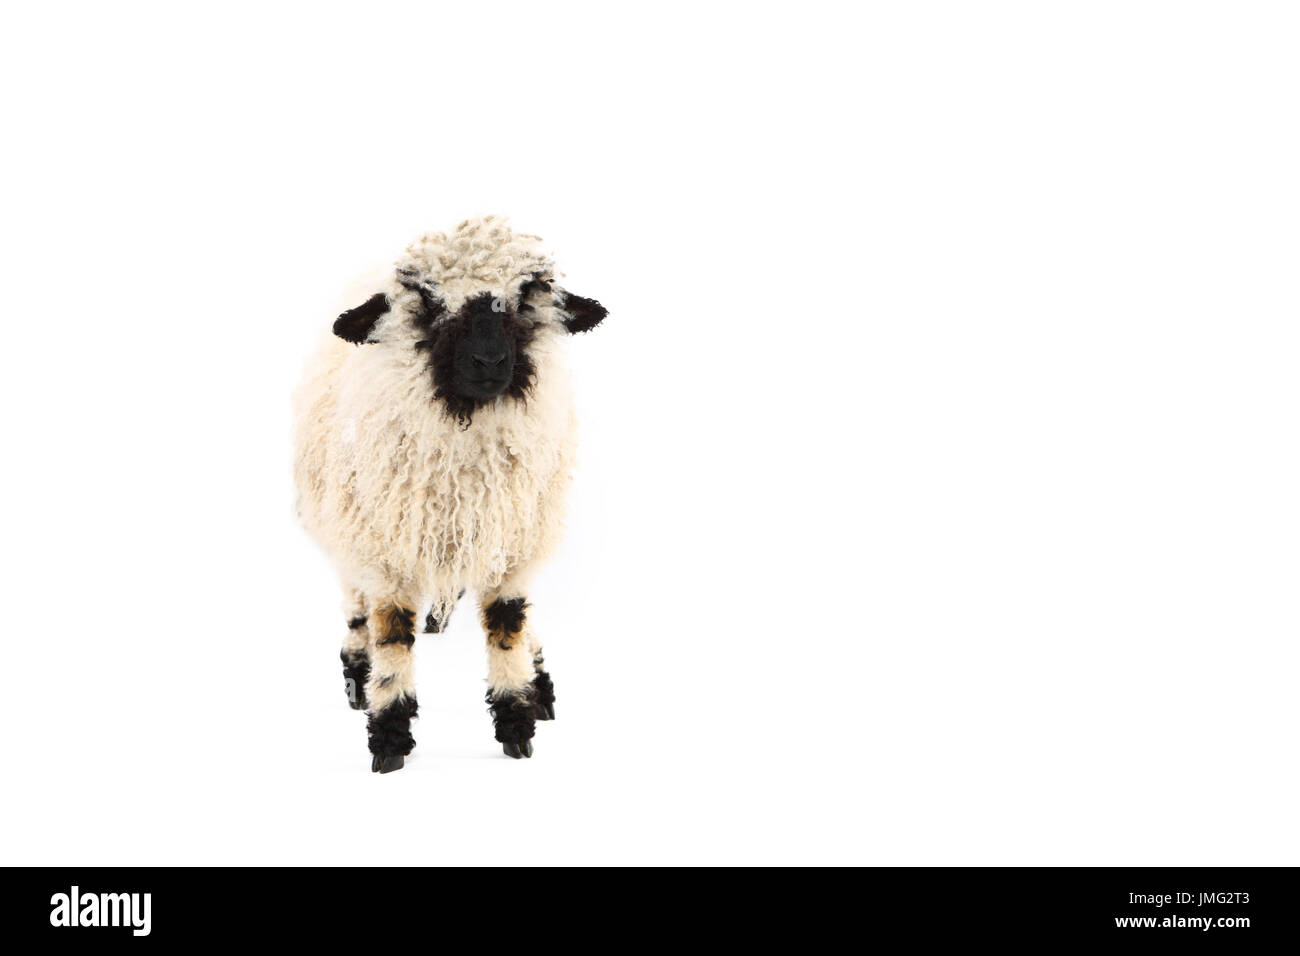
(434, 443)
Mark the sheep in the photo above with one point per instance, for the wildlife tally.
(434, 443)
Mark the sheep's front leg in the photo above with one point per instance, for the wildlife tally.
(390, 690)
(519, 690)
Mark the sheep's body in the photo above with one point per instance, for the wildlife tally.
(406, 501)
(422, 482)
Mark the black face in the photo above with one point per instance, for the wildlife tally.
(483, 358)
(478, 355)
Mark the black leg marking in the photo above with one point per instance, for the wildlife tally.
(356, 671)
(512, 715)
(543, 695)
(504, 621)
(390, 734)
(396, 624)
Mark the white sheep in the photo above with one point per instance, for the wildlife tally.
(434, 445)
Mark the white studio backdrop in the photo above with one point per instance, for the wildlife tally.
(937, 488)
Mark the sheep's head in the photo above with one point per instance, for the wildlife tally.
(474, 302)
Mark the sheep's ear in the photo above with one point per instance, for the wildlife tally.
(355, 325)
(581, 315)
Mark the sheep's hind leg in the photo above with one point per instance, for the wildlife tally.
(519, 691)
(390, 691)
(543, 688)
(439, 616)
(356, 652)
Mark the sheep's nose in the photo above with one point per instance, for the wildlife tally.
(490, 361)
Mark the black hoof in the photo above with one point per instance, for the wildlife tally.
(544, 711)
(522, 749)
(380, 764)
(431, 624)
(357, 703)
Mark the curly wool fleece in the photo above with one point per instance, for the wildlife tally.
(410, 505)
(481, 255)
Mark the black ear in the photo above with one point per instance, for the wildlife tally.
(581, 315)
(355, 325)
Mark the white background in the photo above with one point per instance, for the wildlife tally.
(938, 488)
